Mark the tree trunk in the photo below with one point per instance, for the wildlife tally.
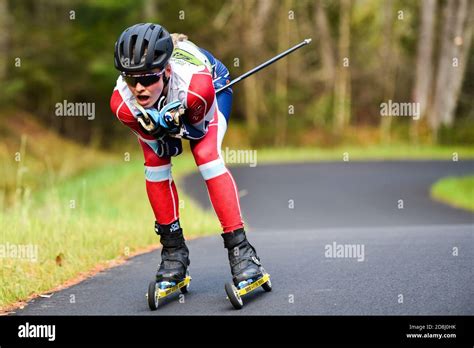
(253, 38)
(4, 58)
(149, 10)
(222, 17)
(424, 59)
(342, 88)
(424, 63)
(281, 85)
(460, 44)
(455, 45)
(388, 59)
(326, 46)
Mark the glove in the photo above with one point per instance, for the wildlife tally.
(168, 146)
(164, 118)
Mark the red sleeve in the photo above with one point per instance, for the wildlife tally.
(200, 97)
(123, 113)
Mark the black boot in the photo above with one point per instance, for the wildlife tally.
(243, 259)
(174, 254)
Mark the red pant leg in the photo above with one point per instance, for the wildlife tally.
(220, 184)
(160, 186)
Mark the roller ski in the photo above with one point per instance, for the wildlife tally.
(173, 274)
(247, 271)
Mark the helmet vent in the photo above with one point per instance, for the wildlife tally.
(136, 42)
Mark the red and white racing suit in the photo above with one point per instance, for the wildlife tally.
(192, 83)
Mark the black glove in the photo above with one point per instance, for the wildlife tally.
(169, 146)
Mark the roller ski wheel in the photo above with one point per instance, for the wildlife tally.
(159, 290)
(267, 286)
(233, 296)
(153, 300)
(185, 289)
(235, 293)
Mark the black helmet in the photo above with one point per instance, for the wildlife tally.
(143, 47)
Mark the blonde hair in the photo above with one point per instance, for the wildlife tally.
(176, 37)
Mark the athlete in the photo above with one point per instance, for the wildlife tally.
(166, 93)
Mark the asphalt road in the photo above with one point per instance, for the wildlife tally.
(296, 214)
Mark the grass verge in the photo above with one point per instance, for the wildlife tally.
(91, 219)
(455, 191)
(382, 152)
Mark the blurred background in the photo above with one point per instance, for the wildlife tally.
(397, 50)
(65, 176)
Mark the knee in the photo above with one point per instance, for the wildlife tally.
(203, 154)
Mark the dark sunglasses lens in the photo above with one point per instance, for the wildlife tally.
(130, 80)
(149, 80)
(143, 80)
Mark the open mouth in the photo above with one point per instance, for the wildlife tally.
(143, 98)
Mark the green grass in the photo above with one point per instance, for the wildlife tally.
(33, 157)
(382, 152)
(455, 191)
(90, 219)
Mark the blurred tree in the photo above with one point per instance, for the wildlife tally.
(456, 37)
(150, 10)
(285, 15)
(388, 63)
(342, 87)
(224, 14)
(254, 37)
(424, 62)
(361, 54)
(326, 46)
(4, 30)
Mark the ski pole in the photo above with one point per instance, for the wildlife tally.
(264, 65)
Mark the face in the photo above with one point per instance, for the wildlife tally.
(147, 96)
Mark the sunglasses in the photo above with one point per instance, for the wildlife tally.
(143, 79)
